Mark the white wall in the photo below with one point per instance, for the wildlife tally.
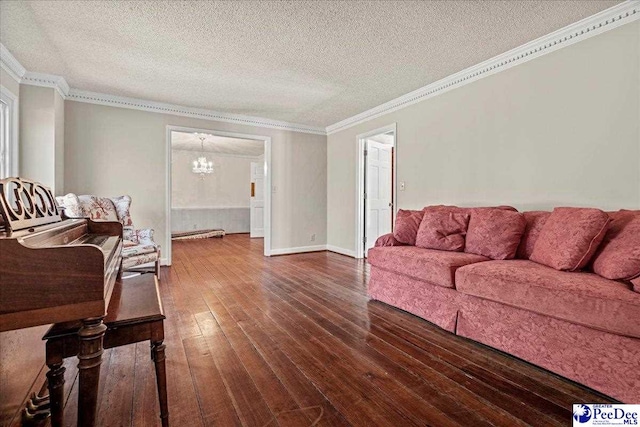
(111, 151)
(41, 154)
(229, 185)
(219, 201)
(562, 129)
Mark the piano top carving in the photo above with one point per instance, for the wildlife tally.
(26, 204)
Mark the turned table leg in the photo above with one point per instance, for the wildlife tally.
(161, 380)
(55, 379)
(91, 335)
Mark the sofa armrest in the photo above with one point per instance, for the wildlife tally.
(387, 240)
(145, 236)
(636, 284)
(141, 236)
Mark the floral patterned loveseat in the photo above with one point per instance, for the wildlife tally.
(139, 248)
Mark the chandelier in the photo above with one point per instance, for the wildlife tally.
(202, 166)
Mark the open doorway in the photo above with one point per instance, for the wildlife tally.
(216, 182)
(376, 186)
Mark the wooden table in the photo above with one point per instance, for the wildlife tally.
(135, 314)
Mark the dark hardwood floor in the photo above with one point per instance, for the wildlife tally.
(294, 341)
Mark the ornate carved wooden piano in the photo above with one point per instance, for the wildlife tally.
(56, 270)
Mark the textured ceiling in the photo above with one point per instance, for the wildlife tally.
(216, 144)
(308, 62)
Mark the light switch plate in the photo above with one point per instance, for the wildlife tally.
(401, 185)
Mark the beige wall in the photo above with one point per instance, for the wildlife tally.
(111, 151)
(228, 186)
(7, 81)
(562, 129)
(41, 155)
(58, 108)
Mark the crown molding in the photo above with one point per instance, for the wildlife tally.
(599, 23)
(178, 110)
(47, 80)
(13, 67)
(10, 64)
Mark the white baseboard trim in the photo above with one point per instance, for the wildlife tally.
(299, 249)
(341, 251)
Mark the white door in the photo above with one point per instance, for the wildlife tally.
(256, 215)
(378, 204)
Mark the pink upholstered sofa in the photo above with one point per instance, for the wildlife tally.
(501, 281)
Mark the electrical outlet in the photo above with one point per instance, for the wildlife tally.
(274, 189)
(401, 185)
(195, 226)
(313, 237)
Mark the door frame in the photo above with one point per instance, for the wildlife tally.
(361, 185)
(267, 180)
(251, 216)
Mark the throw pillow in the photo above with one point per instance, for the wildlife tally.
(618, 257)
(535, 222)
(443, 229)
(570, 237)
(494, 232)
(122, 205)
(407, 224)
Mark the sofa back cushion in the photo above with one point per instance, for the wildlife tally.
(535, 222)
(618, 257)
(570, 237)
(443, 229)
(71, 204)
(406, 227)
(494, 232)
(98, 208)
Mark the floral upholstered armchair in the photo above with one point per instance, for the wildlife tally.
(139, 249)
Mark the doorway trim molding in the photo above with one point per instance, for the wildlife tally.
(360, 184)
(267, 180)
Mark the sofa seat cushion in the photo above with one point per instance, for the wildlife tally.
(431, 265)
(141, 259)
(582, 298)
(130, 251)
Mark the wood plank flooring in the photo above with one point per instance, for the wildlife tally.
(294, 341)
